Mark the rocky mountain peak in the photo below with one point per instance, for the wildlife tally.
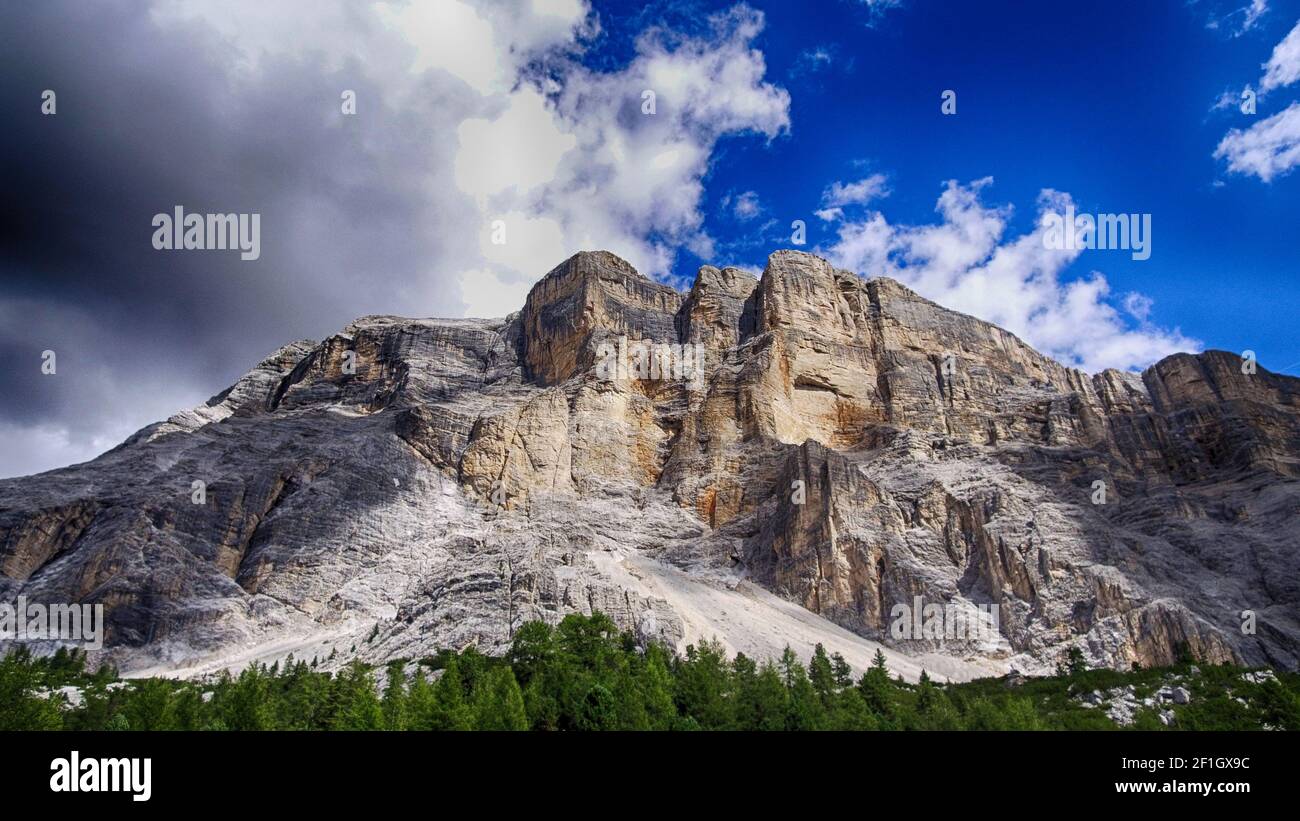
(848, 448)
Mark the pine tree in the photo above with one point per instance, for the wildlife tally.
(629, 699)
(150, 705)
(451, 712)
(598, 710)
(189, 710)
(877, 690)
(499, 703)
(657, 685)
(395, 698)
(934, 710)
(246, 704)
(703, 685)
(532, 651)
(849, 712)
(761, 699)
(843, 672)
(806, 711)
(355, 704)
(420, 702)
(822, 675)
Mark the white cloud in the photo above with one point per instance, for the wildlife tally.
(1138, 305)
(966, 262)
(528, 239)
(1230, 99)
(520, 148)
(854, 193)
(562, 152)
(745, 206)
(1283, 67)
(487, 295)
(634, 184)
(1270, 148)
(484, 44)
(1251, 14)
(450, 35)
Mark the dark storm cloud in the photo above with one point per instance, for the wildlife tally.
(153, 117)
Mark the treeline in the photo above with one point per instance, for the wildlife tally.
(585, 675)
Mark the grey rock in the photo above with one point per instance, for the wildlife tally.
(412, 484)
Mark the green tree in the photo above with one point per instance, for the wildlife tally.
(150, 705)
(598, 710)
(533, 651)
(498, 701)
(355, 706)
(1278, 706)
(394, 703)
(822, 675)
(451, 711)
(703, 684)
(304, 700)
(849, 711)
(934, 710)
(246, 702)
(877, 690)
(1073, 664)
(657, 686)
(420, 702)
(629, 698)
(806, 711)
(843, 672)
(189, 709)
(20, 707)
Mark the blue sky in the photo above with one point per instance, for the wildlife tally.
(526, 118)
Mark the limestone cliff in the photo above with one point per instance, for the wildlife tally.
(411, 484)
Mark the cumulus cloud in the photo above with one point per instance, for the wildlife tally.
(839, 194)
(967, 262)
(643, 135)
(1283, 67)
(1268, 149)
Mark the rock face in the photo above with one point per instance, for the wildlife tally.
(852, 449)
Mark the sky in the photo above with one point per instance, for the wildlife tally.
(674, 134)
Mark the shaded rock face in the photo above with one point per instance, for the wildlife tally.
(412, 484)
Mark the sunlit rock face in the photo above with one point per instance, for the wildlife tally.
(849, 447)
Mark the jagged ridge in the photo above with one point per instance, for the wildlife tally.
(471, 474)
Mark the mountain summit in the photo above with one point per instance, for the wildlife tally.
(850, 448)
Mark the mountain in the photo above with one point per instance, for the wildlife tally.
(848, 447)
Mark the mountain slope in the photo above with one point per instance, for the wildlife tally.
(412, 484)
